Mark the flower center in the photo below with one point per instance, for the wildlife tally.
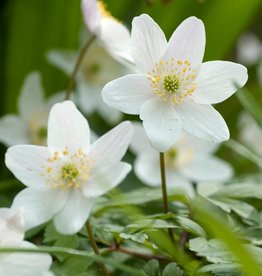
(171, 83)
(42, 132)
(65, 170)
(172, 80)
(178, 156)
(69, 172)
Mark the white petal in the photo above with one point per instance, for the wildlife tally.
(218, 80)
(91, 14)
(161, 123)
(112, 146)
(74, 214)
(31, 100)
(148, 42)
(11, 225)
(64, 60)
(187, 42)
(105, 178)
(197, 145)
(56, 98)
(25, 162)
(127, 93)
(140, 142)
(208, 169)
(67, 127)
(24, 264)
(175, 181)
(147, 168)
(39, 207)
(13, 131)
(203, 121)
(87, 96)
(116, 38)
(111, 115)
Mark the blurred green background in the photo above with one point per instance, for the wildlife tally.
(29, 28)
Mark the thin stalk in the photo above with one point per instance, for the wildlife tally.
(94, 246)
(71, 79)
(137, 254)
(163, 180)
(164, 190)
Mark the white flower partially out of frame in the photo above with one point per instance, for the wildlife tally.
(112, 34)
(97, 68)
(12, 235)
(29, 127)
(189, 160)
(64, 179)
(175, 90)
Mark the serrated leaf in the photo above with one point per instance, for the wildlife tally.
(172, 269)
(151, 268)
(137, 237)
(222, 269)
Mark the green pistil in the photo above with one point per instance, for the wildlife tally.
(172, 153)
(42, 132)
(69, 172)
(171, 83)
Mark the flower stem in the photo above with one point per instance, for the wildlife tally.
(163, 180)
(164, 191)
(77, 65)
(94, 246)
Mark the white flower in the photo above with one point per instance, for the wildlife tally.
(112, 34)
(64, 178)
(12, 235)
(175, 90)
(97, 68)
(249, 49)
(29, 127)
(190, 160)
(250, 133)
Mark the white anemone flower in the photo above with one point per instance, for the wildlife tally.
(111, 33)
(190, 160)
(29, 127)
(11, 236)
(249, 49)
(97, 68)
(64, 179)
(250, 133)
(175, 90)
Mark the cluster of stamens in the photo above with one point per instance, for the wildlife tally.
(104, 11)
(173, 80)
(175, 157)
(66, 171)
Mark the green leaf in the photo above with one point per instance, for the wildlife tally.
(225, 196)
(244, 151)
(73, 265)
(172, 269)
(220, 229)
(137, 237)
(152, 223)
(223, 269)
(59, 240)
(151, 268)
(191, 226)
